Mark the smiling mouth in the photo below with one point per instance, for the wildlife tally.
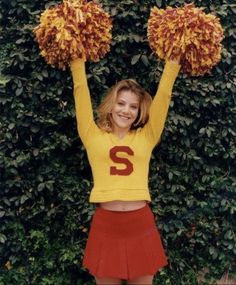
(124, 117)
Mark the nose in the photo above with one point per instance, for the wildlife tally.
(126, 109)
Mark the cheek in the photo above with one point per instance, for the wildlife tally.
(115, 108)
(114, 112)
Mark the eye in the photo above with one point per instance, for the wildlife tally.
(134, 107)
(120, 103)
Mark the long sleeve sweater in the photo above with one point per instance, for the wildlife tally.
(120, 166)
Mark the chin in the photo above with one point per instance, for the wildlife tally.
(125, 126)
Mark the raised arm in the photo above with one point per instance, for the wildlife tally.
(83, 106)
(160, 105)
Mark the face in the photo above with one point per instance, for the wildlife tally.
(124, 111)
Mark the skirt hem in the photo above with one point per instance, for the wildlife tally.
(95, 274)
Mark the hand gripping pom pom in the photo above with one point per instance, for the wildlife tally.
(71, 30)
(187, 33)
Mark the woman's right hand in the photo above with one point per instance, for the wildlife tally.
(175, 59)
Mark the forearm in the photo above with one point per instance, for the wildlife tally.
(161, 101)
(164, 91)
(83, 106)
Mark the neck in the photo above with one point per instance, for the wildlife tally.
(120, 133)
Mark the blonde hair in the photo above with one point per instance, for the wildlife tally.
(104, 110)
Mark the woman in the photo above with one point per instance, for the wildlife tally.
(124, 242)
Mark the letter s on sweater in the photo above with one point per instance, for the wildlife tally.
(114, 157)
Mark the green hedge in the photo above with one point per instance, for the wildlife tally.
(44, 173)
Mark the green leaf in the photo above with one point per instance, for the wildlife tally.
(11, 126)
(23, 199)
(145, 60)
(135, 59)
(36, 152)
(170, 175)
(3, 238)
(41, 186)
(159, 3)
(19, 91)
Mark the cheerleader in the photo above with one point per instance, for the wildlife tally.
(124, 242)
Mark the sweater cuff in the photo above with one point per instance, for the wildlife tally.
(77, 63)
(172, 68)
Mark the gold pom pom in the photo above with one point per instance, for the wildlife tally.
(71, 30)
(187, 33)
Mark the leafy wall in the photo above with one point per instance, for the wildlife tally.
(45, 177)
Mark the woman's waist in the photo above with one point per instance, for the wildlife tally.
(122, 206)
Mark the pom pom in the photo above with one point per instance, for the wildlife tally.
(71, 30)
(186, 33)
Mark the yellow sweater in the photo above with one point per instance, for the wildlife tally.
(120, 166)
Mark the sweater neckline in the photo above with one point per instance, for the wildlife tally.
(125, 139)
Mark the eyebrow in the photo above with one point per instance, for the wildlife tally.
(122, 100)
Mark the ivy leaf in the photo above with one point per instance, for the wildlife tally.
(135, 59)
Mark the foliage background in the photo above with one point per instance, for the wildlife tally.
(45, 178)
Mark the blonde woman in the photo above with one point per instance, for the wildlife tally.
(124, 242)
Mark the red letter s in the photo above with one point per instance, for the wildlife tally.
(113, 155)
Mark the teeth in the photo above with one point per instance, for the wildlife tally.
(123, 117)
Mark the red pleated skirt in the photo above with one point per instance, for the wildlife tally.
(124, 245)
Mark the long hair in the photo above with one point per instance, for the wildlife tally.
(104, 110)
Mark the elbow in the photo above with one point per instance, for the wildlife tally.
(80, 87)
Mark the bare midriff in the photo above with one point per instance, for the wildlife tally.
(123, 205)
